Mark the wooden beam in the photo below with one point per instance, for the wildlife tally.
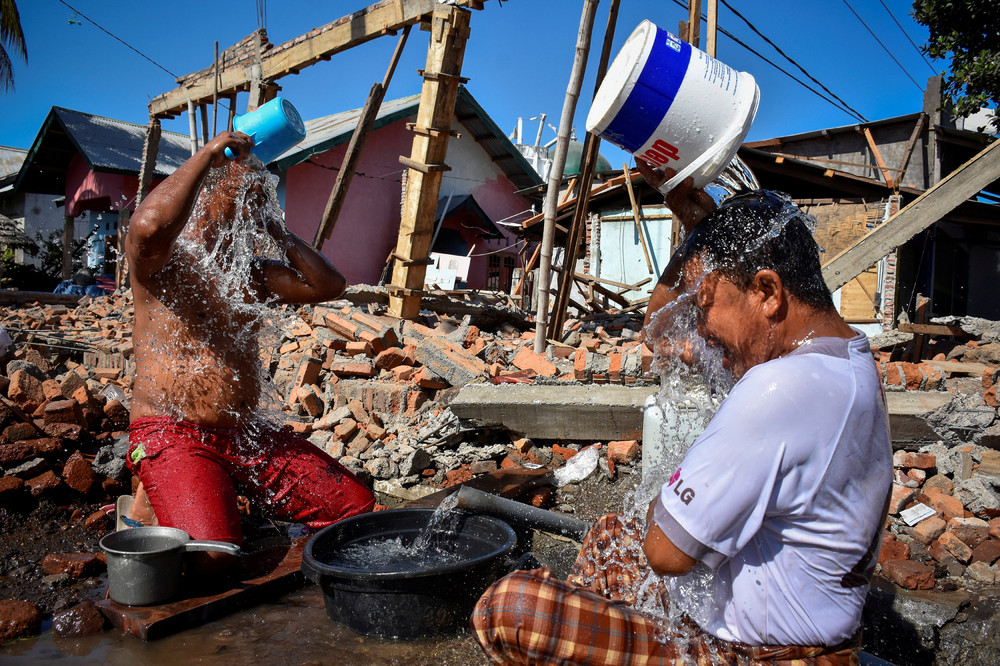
(150, 149)
(952, 330)
(379, 19)
(925, 210)
(445, 53)
(67, 249)
(908, 151)
(878, 156)
(637, 217)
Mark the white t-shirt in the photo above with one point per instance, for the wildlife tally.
(783, 495)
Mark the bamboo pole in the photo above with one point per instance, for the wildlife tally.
(193, 125)
(215, 92)
(556, 172)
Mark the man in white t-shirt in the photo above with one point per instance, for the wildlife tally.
(783, 495)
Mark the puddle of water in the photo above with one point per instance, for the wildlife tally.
(293, 630)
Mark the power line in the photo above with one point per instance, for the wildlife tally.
(781, 69)
(917, 48)
(875, 37)
(102, 29)
(789, 59)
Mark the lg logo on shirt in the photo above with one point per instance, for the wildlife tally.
(686, 494)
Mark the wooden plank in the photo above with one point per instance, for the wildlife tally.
(379, 19)
(908, 150)
(925, 210)
(959, 367)
(262, 576)
(445, 52)
(637, 217)
(878, 156)
(934, 329)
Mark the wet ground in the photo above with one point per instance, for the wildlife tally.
(292, 630)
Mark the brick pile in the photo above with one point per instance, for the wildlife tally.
(958, 543)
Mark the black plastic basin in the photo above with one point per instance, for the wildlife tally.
(402, 601)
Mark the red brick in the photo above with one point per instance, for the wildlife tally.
(401, 373)
(358, 411)
(912, 376)
(934, 375)
(526, 359)
(990, 396)
(75, 565)
(995, 528)
(353, 369)
(83, 395)
(10, 487)
(900, 498)
(99, 521)
(18, 619)
(78, 474)
(483, 467)
(540, 497)
(909, 574)
(390, 358)
(16, 432)
(25, 390)
(940, 482)
(988, 551)
(990, 376)
(563, 451)
(345, 429)
(928, 529)
(949, 507)
(623, 450)
(52, 389)
(972, 531)
(63, 411)
(893, 550)
(909, 459)
(893, 374)
(43, 483)
(345, 328)
(955, 546)
(425, 379)
(300, 428)
(580, 364)
(917, 475)
(310, 399)
(358, 348)
(107, 373)
(414, 400)
(522, 445)
(456, 476)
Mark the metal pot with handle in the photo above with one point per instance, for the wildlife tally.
(145, 563)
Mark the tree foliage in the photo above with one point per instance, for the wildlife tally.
(968, 33)
(11, 36)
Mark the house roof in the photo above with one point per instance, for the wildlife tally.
(328, 132)
(106, 144)
(473, 213)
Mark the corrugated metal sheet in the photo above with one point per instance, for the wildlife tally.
(11, 160)
(114, 145)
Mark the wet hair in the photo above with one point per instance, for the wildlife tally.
(762, 230)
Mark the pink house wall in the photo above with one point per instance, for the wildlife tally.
(86, 189)
(368, 226)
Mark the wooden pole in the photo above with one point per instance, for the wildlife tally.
(232, 112)
(590, 154)
(353, 154)
(637, 217)
(150, 149)
(67, 254)
(712, 27)
(215, 93)
(694, 23)
(449, 30)
(556, 171)
(204, 123)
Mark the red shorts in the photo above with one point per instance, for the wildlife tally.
(191, 473)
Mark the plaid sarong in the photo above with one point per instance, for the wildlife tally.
(593, 617)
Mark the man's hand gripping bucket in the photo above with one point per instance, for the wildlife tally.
(274, 127)
(674, 106)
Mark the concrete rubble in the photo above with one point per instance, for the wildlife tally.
(391, 399)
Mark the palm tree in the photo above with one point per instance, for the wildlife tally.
(12, 36)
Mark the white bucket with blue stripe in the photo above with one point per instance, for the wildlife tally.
(674, 106)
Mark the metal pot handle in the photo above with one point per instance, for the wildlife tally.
(217, 546)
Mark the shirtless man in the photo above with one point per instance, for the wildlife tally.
(197, 431)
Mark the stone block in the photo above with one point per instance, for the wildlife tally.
(979, 494)
(981, 573)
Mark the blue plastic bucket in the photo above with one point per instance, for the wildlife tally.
(674, 106)
(275, 127)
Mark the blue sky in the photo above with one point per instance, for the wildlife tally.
(518, 58)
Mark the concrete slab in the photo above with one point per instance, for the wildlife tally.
(599, 412)
(906, 411)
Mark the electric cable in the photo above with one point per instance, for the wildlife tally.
(917, 48)
(110, 34)
(789, 58)
(783, 70)
(875, 37)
